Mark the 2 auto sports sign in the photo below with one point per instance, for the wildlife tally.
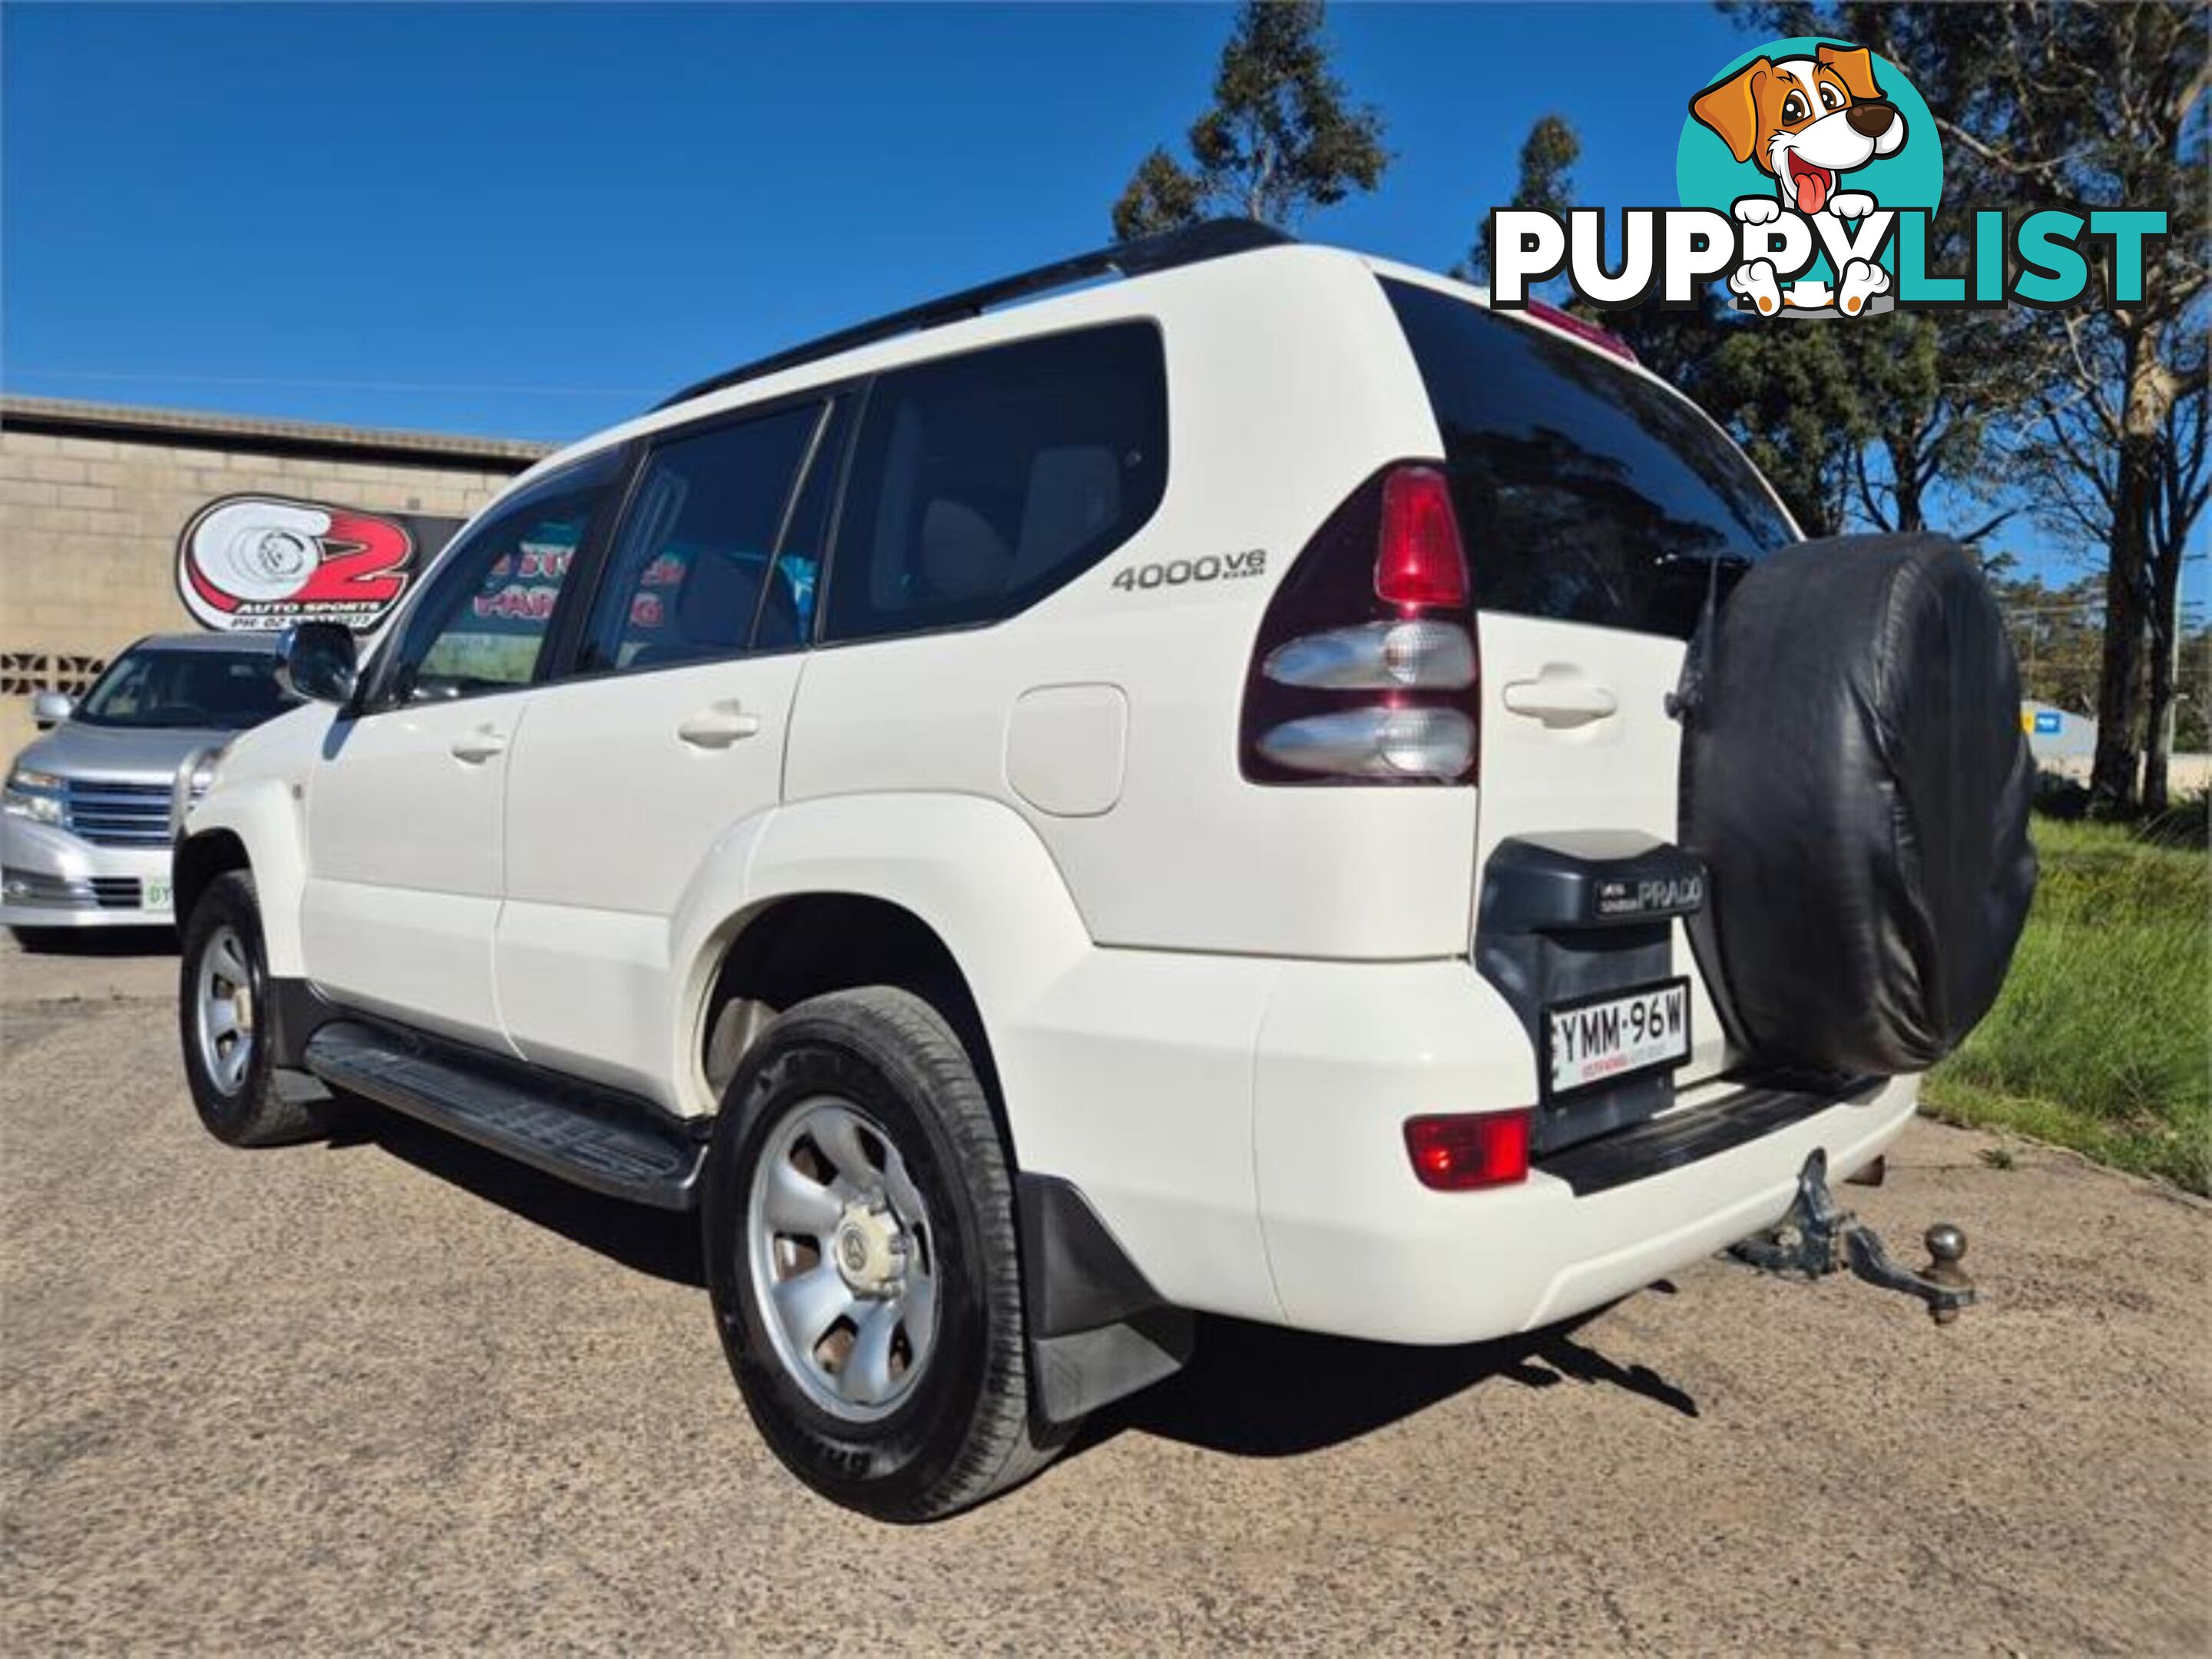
(250, 563)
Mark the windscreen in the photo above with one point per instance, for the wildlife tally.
(1584, 492)
(226, 690)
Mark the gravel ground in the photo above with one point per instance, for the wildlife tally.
(391, 1393)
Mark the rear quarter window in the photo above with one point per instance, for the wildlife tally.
(982, 482)
(1584, 492)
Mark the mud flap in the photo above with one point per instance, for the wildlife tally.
(1098, 1331)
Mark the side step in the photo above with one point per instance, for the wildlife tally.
(609, 1143)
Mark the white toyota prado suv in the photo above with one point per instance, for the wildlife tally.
(1260, 788)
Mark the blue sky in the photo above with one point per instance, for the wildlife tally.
(225, 207)
(532, 219)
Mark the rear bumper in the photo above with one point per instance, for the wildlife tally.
(1449, 1267)
(1359, 1248)
(51, 878)
(1238, 1124)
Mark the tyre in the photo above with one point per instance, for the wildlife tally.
(861, 1251)
(1856, 775)
(222, 986)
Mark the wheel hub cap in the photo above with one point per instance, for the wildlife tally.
(224, 1024)
(843, 1258)
(871, 1249)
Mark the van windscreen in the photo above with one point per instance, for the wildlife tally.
(1584, 492)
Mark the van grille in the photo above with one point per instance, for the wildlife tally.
(115, 892)
(117, 814)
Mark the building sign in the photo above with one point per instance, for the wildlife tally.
(250, 563)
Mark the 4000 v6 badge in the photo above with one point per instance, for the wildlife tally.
(1206, 567)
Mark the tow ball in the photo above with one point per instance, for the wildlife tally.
(1816, 1238)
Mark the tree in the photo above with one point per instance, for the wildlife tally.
(1548, 155)
(1160, 197)
(1926, 394)
(2082, 498)
(1856, 423)
(2037, 105)
(1281, 139)
(2057, 634)
(2193, 714)
(2184, 484)
(1785, 394)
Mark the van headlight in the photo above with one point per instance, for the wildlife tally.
(195, 777)
(34, 795)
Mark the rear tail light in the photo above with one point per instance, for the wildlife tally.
(1459, 1151)
(1365, 668)
(1419, 560)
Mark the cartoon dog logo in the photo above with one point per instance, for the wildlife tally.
(1805, 122)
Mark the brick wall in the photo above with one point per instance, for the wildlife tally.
(89, 520)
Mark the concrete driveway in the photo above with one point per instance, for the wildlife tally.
(391, 1393)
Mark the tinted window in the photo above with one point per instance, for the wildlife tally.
(690, 566)
(788, 618)
(982, 482)
(226, 690)
(483, 621)
(1584, 492)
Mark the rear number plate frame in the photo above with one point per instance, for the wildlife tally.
(1595, 1042)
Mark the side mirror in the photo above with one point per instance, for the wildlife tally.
(315, 660)
(50, 709)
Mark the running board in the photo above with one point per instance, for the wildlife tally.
(609, 1143)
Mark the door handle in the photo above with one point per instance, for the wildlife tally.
(717, 726)
(478, 746)
(1561, 697)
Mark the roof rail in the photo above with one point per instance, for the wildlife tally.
(1214, 239)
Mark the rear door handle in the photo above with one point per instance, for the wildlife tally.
(1561, 697)
(717, 726)
(478, 746)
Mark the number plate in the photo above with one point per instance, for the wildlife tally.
(157, 896)
(1603, 1039)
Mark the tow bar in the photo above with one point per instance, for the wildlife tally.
(1815, 1238)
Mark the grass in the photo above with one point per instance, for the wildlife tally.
(2102, 1038)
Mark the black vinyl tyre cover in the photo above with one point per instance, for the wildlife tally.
(1855, 778)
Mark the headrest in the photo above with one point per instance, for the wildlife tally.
(714, 608)
(963, 558)
(1074, 493)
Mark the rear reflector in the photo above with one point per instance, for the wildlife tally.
(1458, 1152)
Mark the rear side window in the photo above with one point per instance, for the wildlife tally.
(787, 619)
(1584, 492)
(982, 482)
(691, 568)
